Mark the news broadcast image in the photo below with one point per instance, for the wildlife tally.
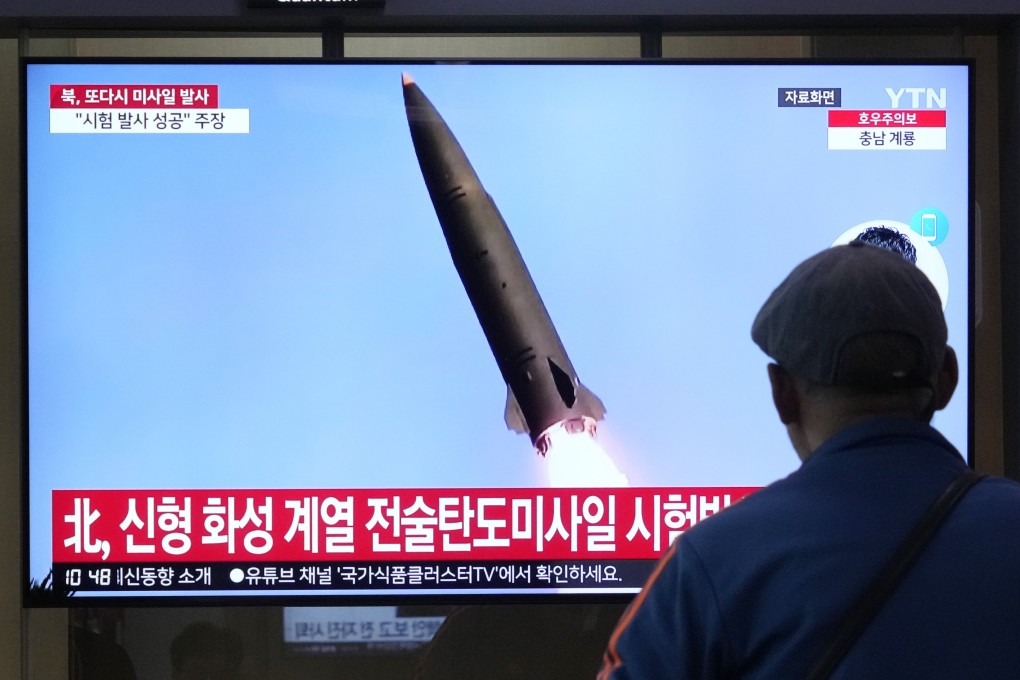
(254, 364)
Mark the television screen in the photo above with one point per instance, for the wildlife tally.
(381, 332)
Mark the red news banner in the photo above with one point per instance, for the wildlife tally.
(134, 96)
(887, 130)
(925, 118)
(329, 525)
(143, 109)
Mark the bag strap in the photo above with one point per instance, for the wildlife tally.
(871, 601)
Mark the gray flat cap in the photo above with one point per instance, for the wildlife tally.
(843, 296)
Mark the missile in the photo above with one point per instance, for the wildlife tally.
(543, 390)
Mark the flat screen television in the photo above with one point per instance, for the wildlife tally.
(378, 332)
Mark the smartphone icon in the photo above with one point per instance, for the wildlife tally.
(929, 226)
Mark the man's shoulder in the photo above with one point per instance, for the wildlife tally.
(994, 499)
(1001, 487)
(749, 516)
(803, 507)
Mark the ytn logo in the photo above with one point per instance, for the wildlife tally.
(933, 99)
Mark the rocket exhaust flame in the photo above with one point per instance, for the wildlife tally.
(575, 458)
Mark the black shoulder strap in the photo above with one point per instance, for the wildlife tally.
(871, 601)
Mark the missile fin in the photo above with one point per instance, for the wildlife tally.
(513, 415)
(590, 403)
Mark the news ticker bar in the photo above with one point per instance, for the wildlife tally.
(438, 576)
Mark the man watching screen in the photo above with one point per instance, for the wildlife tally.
(762, 590)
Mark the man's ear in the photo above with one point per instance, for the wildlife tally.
(947, 379)
(784, 395)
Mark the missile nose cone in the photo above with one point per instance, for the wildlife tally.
(415, 101)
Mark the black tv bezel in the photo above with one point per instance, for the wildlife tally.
(41, 598)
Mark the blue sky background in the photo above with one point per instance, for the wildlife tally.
(279, 309)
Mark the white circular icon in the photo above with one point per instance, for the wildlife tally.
(929, 259)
